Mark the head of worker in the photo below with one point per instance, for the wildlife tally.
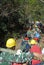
(11, 43)
(26, 38)
(33, 42)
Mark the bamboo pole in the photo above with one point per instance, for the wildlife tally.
(7, 50)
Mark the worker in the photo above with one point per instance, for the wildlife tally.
(26, 38)
(29, 33)
(35, 48)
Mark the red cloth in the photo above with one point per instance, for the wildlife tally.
(36, 38)
(26, 38)
(16, 64)
(34, 62)
(35, 48)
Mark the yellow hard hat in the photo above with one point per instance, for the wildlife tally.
(36, 26)
(33, 42)
(10, 43)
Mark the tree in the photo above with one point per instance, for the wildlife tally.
(14, 14)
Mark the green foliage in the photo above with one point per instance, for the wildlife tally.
(15, 13)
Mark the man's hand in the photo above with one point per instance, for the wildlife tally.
(38, 56)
